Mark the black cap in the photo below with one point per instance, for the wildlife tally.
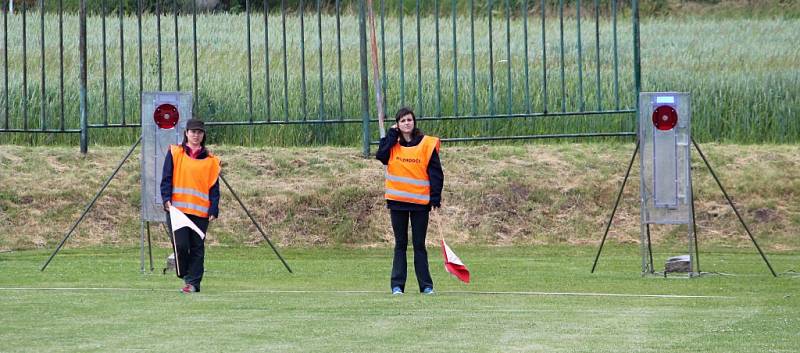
(194, 124)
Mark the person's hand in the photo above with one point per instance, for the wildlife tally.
(436, 204)
(393, 126)
(167, 205)
(211, 218)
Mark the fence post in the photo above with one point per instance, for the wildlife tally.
(637, 63)
(83, 101)
(362, 35)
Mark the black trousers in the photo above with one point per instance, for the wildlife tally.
(190, 252)
(419, 229)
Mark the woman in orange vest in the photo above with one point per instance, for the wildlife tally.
(190, 183)
(413, 186)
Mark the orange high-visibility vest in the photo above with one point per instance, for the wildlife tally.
(407, 177)
(191, 181)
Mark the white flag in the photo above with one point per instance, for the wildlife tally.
(179, 220)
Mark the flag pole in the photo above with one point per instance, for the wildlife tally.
(376, 71)
(174, 245)
(438, 224)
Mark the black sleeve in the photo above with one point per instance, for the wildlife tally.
(385, 147)
(166, 178)
(436, 176)
(213, 196)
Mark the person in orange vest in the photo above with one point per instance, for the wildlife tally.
(190, 183)
(414, 181)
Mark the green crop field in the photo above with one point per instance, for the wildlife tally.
(521, 299)
(742, 74)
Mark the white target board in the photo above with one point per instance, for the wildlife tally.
(665, 142)
(164, 117)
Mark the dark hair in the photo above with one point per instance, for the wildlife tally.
(407, 111)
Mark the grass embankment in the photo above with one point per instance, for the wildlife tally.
(494, 195)
(742, 74)
(338, 300)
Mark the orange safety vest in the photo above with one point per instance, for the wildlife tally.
(191, 181)
(407, 177)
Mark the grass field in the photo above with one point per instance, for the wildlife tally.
(522, 299)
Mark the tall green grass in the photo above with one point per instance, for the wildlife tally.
(743, 76)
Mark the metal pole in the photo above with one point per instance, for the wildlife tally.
(121, 61)
(141, 241)
(637, 61)
(362, 34)
(43, 112)
(303, 97)
(149, 247)
(177, 47)
(649, 248)
(264, 235)
(736, 211)
(91, 203)
(105, 61)
(168, 228)
(266, 62)
(83, 100)
(694, 232)
(616, 203)
(376, 71)
(196, 92)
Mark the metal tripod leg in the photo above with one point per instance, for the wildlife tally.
(91, 203)
(145, 229)
(149, 247)
(650, 249)
(264, 235)
(141, 244)
(753, 239)
(171, 235)
(616, 203)
(694, 237)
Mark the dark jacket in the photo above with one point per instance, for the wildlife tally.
(166, 181)
(435, 172)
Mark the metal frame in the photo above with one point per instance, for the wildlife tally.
(448, 100)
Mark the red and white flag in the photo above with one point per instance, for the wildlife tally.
(453, 264)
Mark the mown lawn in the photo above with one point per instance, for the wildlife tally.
(521, 299)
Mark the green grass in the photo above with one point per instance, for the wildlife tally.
(742, 75)
(338, 300)
(716, 8)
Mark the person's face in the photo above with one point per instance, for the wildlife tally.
(194, 137)
(406, 124)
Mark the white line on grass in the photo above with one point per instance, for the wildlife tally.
(502, 293)
(668, 296)
(88, 289)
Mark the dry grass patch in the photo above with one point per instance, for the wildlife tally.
(326, 196)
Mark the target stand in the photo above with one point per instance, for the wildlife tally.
(163, 121)
(665, 183)
(164, 117)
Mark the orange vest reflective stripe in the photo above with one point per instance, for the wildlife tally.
(407, 177)
(191, 181)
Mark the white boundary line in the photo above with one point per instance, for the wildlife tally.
(86, 289)
(267, 291)
(671, 296)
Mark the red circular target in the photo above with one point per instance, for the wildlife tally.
(665, 117)
(166, 116)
